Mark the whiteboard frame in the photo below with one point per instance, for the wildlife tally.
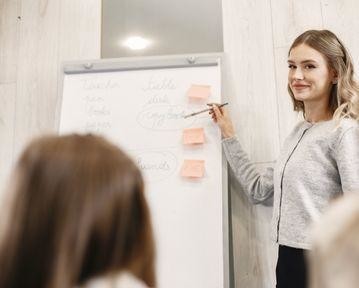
(164, 62)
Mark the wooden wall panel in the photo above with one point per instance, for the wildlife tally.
(268, 249)
(253, 249)
(247, 271)
(7, 110)
(80, 25)
(51, 31)
(37, 73)
(251, 85)
(252, 96)
(342, 18)
(291, 17)
(9, 24)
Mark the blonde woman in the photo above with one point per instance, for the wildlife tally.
(320, 157)
(78, 218)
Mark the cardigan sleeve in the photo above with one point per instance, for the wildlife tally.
(258, 186)
(347, 158)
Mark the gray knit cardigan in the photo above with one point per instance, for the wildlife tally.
(317, 163)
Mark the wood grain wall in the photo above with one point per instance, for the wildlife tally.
(36, 36)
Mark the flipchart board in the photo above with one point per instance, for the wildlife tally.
(140, 105)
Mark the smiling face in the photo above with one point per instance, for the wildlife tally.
(309, 77)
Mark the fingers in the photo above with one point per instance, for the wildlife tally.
(222, 118)
(213, 115)
(217, 111)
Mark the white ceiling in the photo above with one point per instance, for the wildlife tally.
(173, 26)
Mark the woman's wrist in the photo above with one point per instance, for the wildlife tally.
(226, 135)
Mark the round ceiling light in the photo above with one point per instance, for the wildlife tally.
(136, 43)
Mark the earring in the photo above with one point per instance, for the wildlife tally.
(335, 81)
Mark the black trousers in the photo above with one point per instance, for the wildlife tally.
(291, 268)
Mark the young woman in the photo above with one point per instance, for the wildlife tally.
(78, 218)
(320, 157)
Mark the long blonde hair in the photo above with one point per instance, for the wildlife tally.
(344, 96)
(78, 212)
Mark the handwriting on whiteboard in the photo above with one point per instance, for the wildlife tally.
(164, 117)
(157, 165)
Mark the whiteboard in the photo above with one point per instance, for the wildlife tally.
(139, 104)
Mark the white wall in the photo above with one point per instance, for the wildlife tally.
(257, 36)
(36, 35)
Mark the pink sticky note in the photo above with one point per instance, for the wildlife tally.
(193, 136)
(192, 168)
(199, 92)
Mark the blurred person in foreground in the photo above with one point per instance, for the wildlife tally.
(77, 218)
(334, 258)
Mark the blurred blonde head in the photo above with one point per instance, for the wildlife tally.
(334, 259)
(78, 212)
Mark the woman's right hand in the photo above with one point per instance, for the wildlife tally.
(222, 118)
